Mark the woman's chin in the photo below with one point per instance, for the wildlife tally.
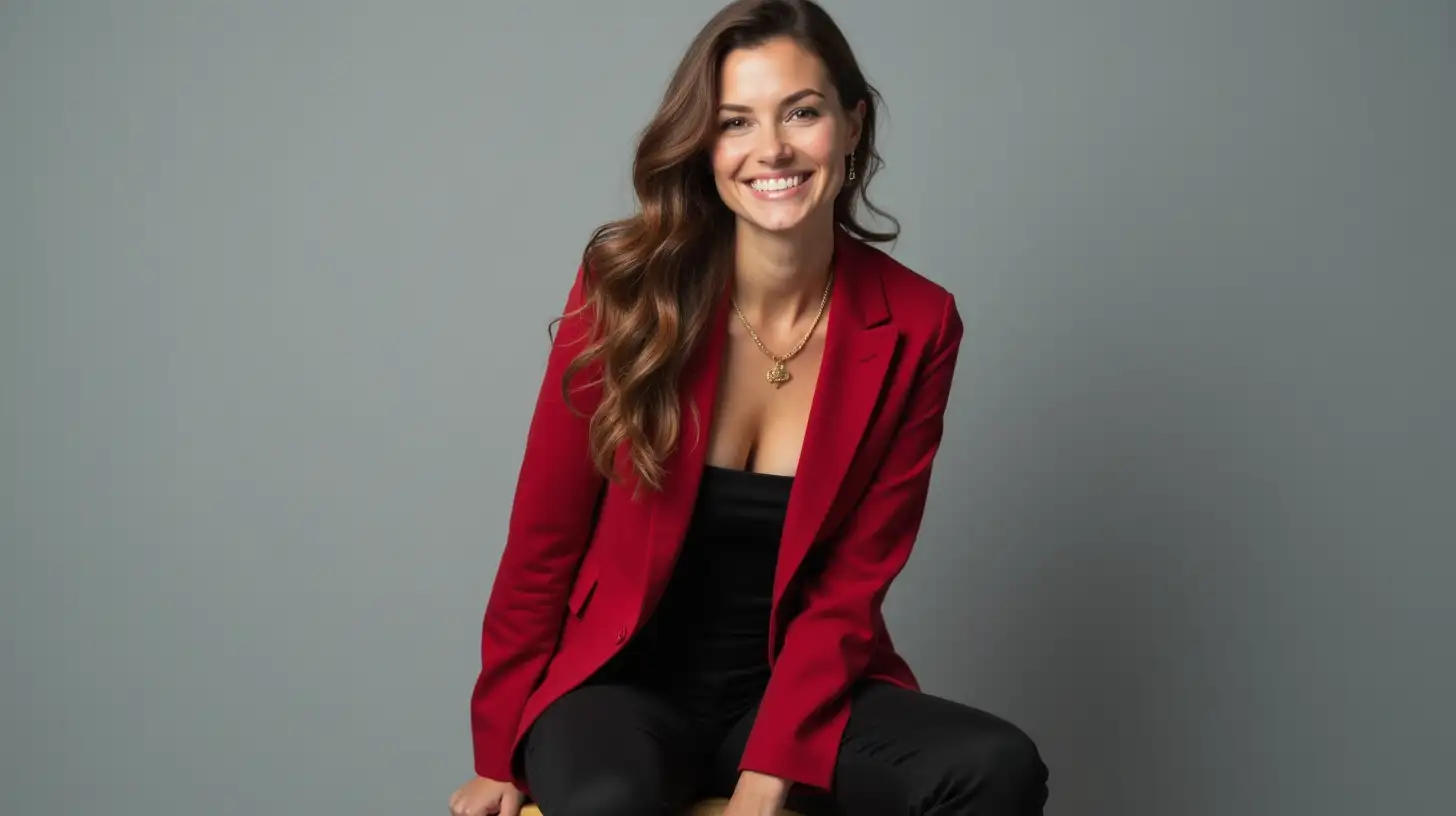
(782, 221)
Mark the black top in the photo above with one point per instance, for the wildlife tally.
(706, 645)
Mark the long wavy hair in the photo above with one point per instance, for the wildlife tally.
(651, 280)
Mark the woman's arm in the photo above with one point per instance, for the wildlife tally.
(557, 490)
(828, 645)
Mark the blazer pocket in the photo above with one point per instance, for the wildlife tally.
(586, 583)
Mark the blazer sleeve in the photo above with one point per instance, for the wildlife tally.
(557, 490)
(827, 646)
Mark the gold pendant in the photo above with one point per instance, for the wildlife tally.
(778, 375)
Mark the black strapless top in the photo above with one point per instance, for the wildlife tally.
(706, 645)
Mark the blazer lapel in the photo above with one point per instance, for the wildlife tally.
(858, 351)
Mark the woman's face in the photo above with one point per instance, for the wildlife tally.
(783, 142)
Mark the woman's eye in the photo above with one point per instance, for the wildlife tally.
(802, 114)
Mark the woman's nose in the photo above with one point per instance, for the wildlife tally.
(774, 149)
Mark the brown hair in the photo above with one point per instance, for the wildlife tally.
(651, 280)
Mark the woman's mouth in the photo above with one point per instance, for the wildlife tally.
(779, 187)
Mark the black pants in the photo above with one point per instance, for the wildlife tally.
(613, 748)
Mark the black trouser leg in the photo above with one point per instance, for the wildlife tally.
(612, 750)
(905, 752)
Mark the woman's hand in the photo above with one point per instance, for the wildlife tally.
(486, 797)
(757, 795)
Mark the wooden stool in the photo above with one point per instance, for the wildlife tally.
(707, 807)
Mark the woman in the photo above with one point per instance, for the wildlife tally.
(726, 468)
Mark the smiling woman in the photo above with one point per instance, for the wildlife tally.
(688, 604)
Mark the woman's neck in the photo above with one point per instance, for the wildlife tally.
(780, 278)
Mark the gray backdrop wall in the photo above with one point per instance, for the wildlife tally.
(276, 278)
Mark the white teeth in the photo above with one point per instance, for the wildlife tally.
(770, 185)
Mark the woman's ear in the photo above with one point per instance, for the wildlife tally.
(856, 125)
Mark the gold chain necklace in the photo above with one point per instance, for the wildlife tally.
(778, 375)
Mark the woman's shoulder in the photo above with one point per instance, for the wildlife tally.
(913, 298)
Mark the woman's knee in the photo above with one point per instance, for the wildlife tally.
(1002, 764)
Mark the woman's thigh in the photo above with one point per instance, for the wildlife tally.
(905, 751)
(610, 749)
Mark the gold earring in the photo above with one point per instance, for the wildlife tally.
(851, 167)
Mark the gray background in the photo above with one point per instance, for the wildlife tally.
(276, 278)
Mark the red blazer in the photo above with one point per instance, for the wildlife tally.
(585, 563)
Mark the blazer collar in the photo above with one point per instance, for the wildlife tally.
(859, 297)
